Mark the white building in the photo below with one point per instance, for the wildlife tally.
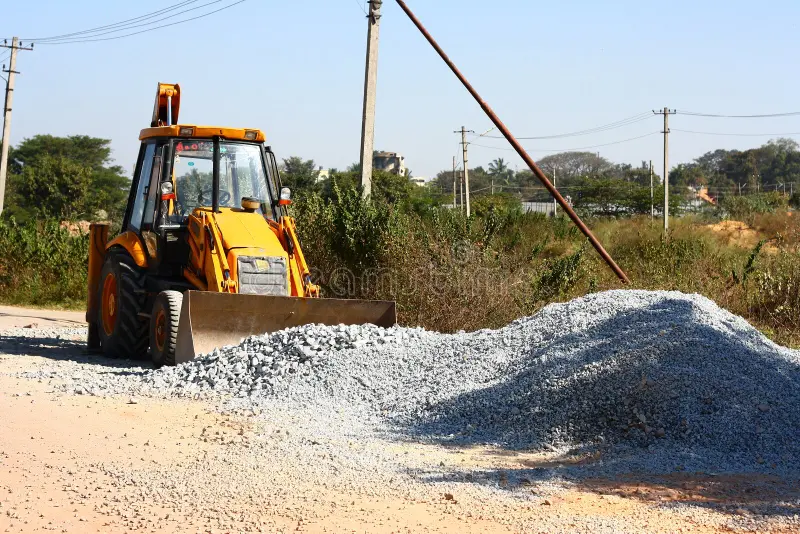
(390, 162)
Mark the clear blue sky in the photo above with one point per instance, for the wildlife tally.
(295, 70)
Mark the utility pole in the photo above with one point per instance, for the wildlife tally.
(652, 205)
(555, 204)
(492, 185)
(454, 183)
(666, 112)
(370, 90)
(464, 144)
(461, 191)
(12, 73)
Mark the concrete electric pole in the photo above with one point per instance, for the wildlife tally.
(464, 144)
(461, 191)
(652, 206)
(555, 203)
(370, 89)
(666, 112)
(12, 72)
(454, 183)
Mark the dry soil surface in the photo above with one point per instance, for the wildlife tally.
(77, 463)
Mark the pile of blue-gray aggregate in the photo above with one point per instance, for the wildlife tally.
(660, 380)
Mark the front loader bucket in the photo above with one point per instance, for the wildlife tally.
(210, 320)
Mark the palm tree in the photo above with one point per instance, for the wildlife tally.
(499, 169)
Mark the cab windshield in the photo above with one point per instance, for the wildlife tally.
(241, 175)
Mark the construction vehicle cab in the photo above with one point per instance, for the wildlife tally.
(206, 215)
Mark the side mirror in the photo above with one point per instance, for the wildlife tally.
(286, 197)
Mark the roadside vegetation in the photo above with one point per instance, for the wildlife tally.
(448, 272)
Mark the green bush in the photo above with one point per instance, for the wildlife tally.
(41, 264)
(502, 204)
(743, 206)
(448, 272)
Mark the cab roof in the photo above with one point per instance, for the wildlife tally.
(203, 132)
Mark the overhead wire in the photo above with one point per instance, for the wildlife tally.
(610, 126)
(361, 6)
(733, 134)
(759, 116)
(128, 27)
(120, 23)
(573, 148)
(149, 29)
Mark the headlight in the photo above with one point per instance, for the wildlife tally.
(167, 192)
(286, 196)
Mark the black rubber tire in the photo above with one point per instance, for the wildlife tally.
(128, 337)
(167, 310)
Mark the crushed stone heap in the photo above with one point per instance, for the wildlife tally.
(653, 376)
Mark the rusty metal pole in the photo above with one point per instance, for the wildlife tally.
(521, 151)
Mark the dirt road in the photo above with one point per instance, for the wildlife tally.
(79, 463)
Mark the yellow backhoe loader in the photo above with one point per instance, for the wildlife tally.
(208, 253)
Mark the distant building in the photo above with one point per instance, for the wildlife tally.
(323, 174)
(418, 180)
(389, 162)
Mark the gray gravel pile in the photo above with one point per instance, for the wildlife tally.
(263, 364)
(666, 380)
(657, 376)
(657, 380)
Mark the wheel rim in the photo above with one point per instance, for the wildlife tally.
(110, 306)
(161, 330)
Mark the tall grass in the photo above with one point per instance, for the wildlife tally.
(448, 272)
(41, 264)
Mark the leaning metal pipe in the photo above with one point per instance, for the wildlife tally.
(521, 151)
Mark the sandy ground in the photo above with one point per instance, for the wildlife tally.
(75, 463)
(740, 234)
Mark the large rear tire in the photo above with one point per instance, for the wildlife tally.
(122, 296)
(164, 321)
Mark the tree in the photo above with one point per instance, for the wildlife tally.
(108, 188)
(60, 186)
(390, 187)
(298, 174)
(91, 152)
(573, 165)
(501, 203)
(499, 170)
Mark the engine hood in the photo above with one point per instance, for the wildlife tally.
(240, 229)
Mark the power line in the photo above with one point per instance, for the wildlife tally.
(762, 116)
(735, 134)
(128, 27)
(494, 147)
(150, 29)
(611, 126)
(360, 5)
(574, 148)
(121, 23)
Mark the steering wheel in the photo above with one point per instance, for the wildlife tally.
(224, 196)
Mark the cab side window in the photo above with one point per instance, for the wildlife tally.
(142, 189)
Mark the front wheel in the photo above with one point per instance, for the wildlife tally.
(121, 330)
(164, 327)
